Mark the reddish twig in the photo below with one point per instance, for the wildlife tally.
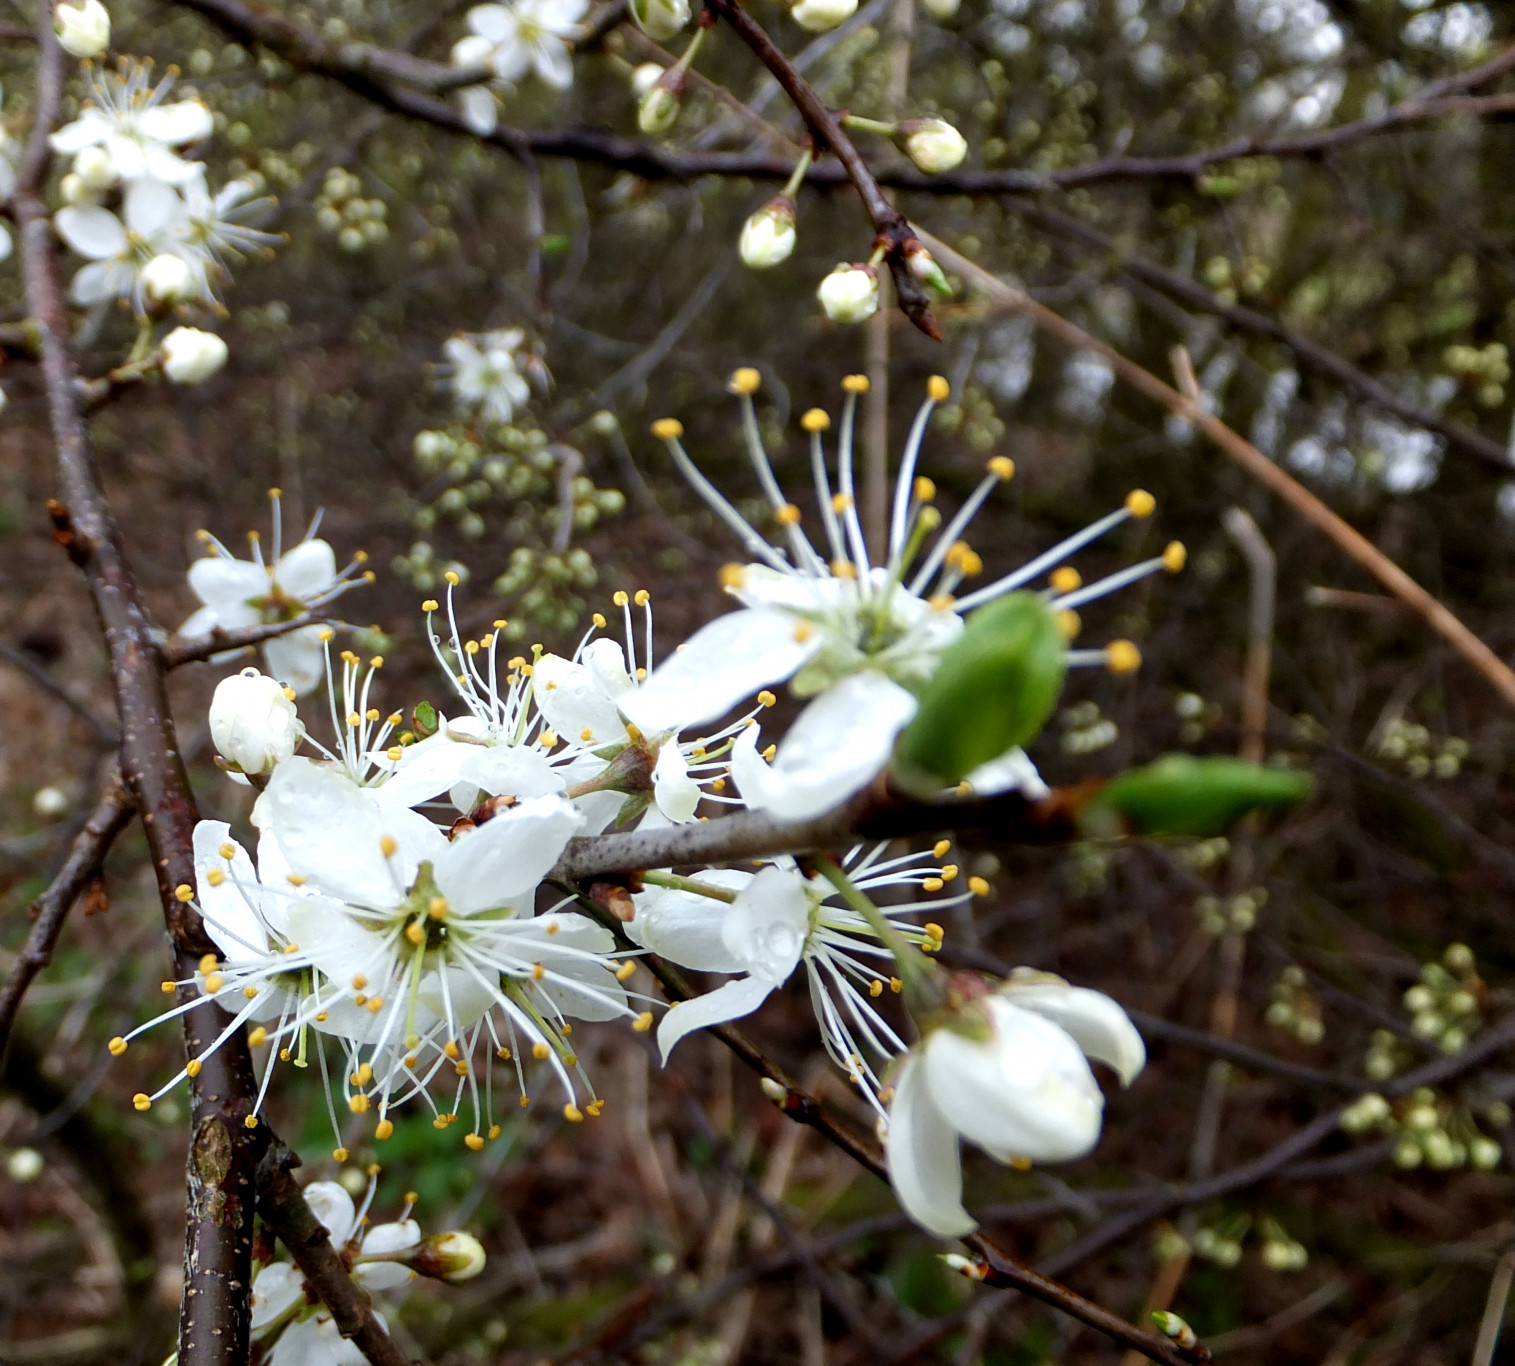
(192, 649)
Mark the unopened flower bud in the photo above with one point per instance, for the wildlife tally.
(819, 16)
(83, 30)
(941, 10)
(925, 269)
(660, 20)
(644, 78)
(768, 235)
(659, 109)
(932, 144)
(1484, 1154)
(850, 293)
(168, 279)
(253, 724)
(191, 356)
(25, 1165)
(96, 168)
(49, 802)
(1458, 957)
(452, 1257)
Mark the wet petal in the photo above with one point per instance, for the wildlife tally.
(925, 1168)
(575, 702)
(231, 906)
(729, 1002)
(675, 792)
(685, 927)
(276, 1289)
(765, 926)
(502, 861)
(297, 659)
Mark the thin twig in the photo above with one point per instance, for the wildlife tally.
(193, 649)
(105, 733)
(51, 908)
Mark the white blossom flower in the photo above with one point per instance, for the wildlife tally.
(850, 293)
(485, 375)
(240, 593)
(440, 935)
(191, 356)
(127, 116)
(1010, 1076)
(119, 249)
(84, 29)
(768, 236)
(253, 722)
(530, 35)
(856, 637)
(765, 925)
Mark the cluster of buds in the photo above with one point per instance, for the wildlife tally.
(1444, 1004)
(1203, 855)
(1233, 914)
(1411, 745)
(1086, 729)
(1429, 1129)
(1221, 1244)
(1291, 1006)
(1195, 716)
(1280, 1252)
(341, 210)
(1485, 370)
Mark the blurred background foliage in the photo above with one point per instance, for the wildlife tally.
(1393, 251)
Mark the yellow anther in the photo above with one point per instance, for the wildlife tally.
(599, 620)
(474, 1141)
(925, 489)
(587, 733)
(940, 848)
(770, 752)
(1066, 579)
(384, 1129)
(358, 1104)
(843, 569)
(549, 738)
(745, 380)
(415, 933)
(620, 598)
(321, 1016)
(802, 632)
(291, 948)
(934, 931)
(855, 384)
(184, 892)
(339, 1154)
(978, 886)
(816, 420)
(326, 635)
(430, 605)
(387, 845)
(949, 872)
(215, 877)
(250, 1122)
(471, 647)
(932, 884)
(502, 1053)
(643, 1022)
(1069, 624)
(1122, 657)
(941, 602)
(452, 1050)
(295, 879)
(436, 908)
(537, 972)
(573, 1114)
(440, 1122)
(896, 985)
(452, 578)
(228, 850)
(354, 720)
(214, 983)
(460, 1069)
(552, 928)
(766, 698)
(625, 971)
(116, 1046)
(360, 999)
(364, 1074)
(258, 1037)
(1174, 556)
(593, 1108)
(938, 388)
(168, 988)
(192, 1068)
(875, 988)
(494, 1132)
(1002, 467)
(841, 502)
(668, 429)
(717, 784)
(284, 1055)
(540, 1051)
(393, 754)
(142, 1101)
(250, 992)
(788, 515)
(1140, 503)
(375, 1005)
(970, 563)
(641, 597)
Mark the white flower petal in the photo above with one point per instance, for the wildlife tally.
(503, 860)
(151, 207)
(480, 109)
(227, 586)
(276, 1289)
(1013, 771)
(462, 1000)
(684, 927)
(424, 771)
(765, 926)
(308, 570)
(93, 232)
(494, 22)
(925, 1168)
(591, 991)
(677, 794)
(174, 124)
(231, 909)
(1096, 1023)
(88, 130)
(575, 702)
(731, 1001)
(840, 742)
(297, 658)
(508, 770)
(723, 663)
(333, 1206)
(375, 1276)
(554, 64)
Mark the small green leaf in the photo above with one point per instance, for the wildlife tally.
(424, 721)
(1184, 795)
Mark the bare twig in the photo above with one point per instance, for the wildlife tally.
(193, 649)
(104, 732)
(51, 908)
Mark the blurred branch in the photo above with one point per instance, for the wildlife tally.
(104, 732)
(1262, 567)
(51, 908)
(283, 1207)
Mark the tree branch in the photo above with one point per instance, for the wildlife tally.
(192, 649)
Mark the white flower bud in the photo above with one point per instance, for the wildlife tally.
(768, 235)
(1485, 1153)
(660, 20)
(83, 30)
(659, 109)
(24, 1165)
(850, 293)
(472, 51)
(644, 78)
(452, 1257)
(96, 168)
(940, 10)
(191, 356)
(76, 194)
(49, 802)
(168, 279)
(933, 144)
(818, 16)
(253, 723)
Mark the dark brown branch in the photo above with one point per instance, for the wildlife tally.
(1310, 354)
(51, 908)
(193, 649)
(282, 1205)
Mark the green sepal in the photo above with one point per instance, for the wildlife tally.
(994, 689)
(1181, 794)
(424, 721)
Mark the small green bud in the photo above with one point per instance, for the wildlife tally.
(994, 689)
(424, 721)
(1184, 795)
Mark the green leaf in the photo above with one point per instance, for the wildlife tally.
(993, 690)
(1184, 795)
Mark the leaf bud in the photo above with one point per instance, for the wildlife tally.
(1180, 794)
(850, 293)
(768, 235)
(96, 169)
(932, 144)
(923, 266)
